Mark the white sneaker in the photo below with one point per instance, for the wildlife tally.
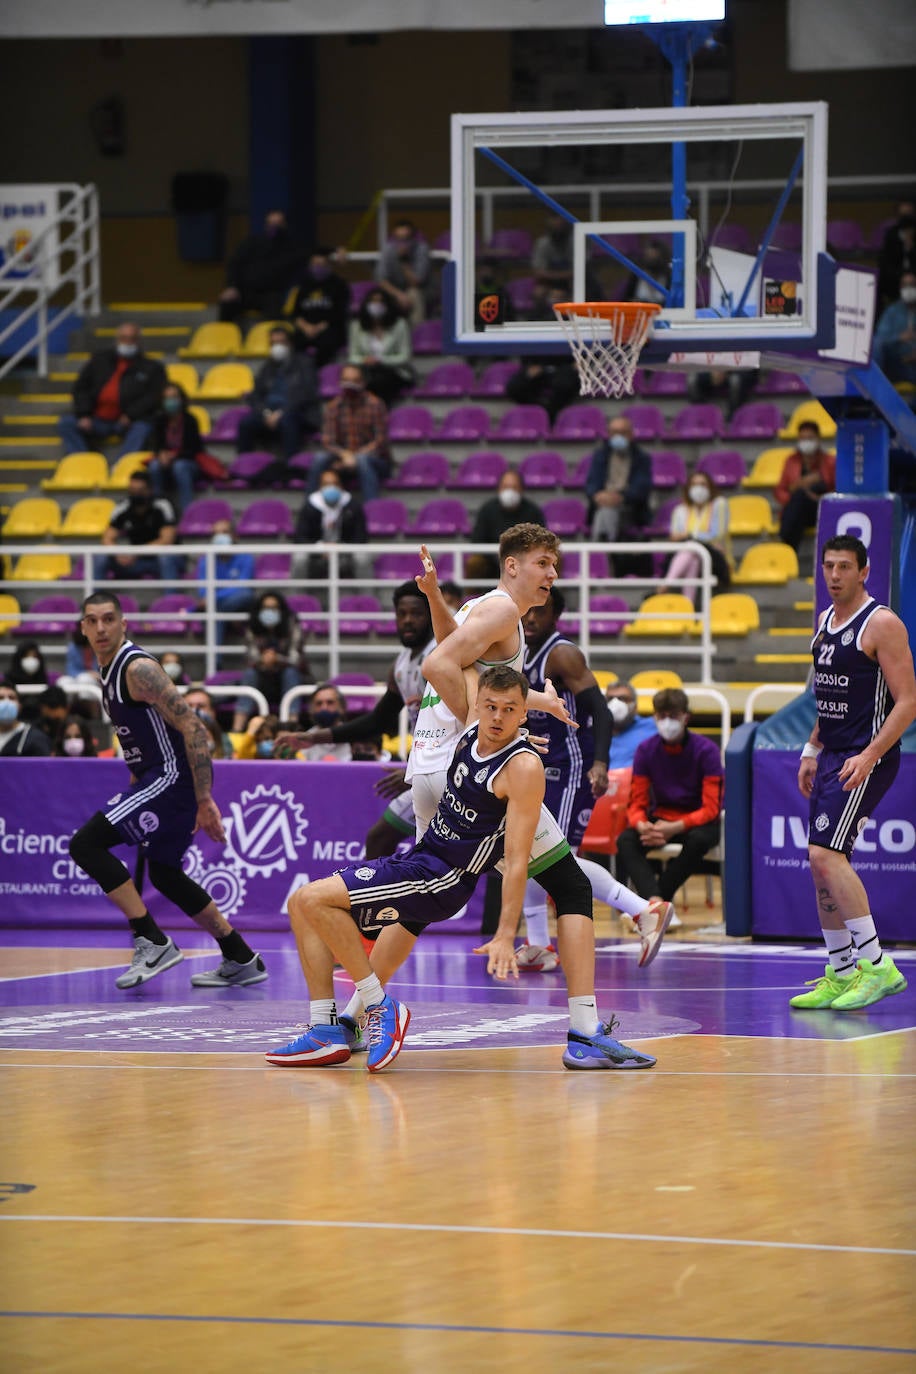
(148, 960)
(651, 923)
(232, 975)
(537, 958)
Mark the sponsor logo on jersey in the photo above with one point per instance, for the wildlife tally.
(481, 774)
(848, 637)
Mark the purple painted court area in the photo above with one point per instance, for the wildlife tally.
(736, 990)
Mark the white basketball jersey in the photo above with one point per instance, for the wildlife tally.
(409, 679)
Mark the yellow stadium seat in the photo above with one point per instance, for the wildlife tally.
(226, 382)
(32, 518)
(605, 679)
(750, 515)
(87, 519)
(774, 564)
(651, 681)
(183, 375)
(217, 339)
(257, 340)
(42, 567)
(809, 411)
(9, 613)
(671, 614)
(732, 613)
(78, 472)
(124, 468)
(767, 468)
(202, 416)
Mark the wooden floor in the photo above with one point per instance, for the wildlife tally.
(747, 1205)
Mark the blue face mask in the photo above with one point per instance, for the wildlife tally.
(265, 748)
(619, 443)
(9, 710)
(325, 719)
(331, 495)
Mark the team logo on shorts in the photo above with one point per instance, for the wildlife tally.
(148, 821)
(481, 775)
(848, 637)
(387, 914)
(584, 816)
(822, 821)
(364, 874)
(862, 823)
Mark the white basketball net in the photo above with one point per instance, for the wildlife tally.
(605, 347)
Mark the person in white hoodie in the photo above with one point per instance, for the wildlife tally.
(330, 515)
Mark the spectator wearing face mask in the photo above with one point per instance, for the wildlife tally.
(75, 741)
(895, 334)
(380, 344)
(402, 270)
(27, 669)
(283, 408)
(173, 666)
(628, 728)
(807, 474)
(53, 710)
(17, 738)
(675, 797)
(327, 708)
(175, 441)
(141, 521)
(330, 515)
(117, 393)
(354, 436)
(510, 506)
(321, 310)
(656, 263)
(257, 741)
(231, 571)
(276, 657)
(261, 271)
(898, 252)
(618, 483)
(701, 516)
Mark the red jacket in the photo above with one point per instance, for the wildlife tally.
(793, 468)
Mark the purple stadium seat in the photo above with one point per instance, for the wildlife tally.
(359, 290)
(876, 238)
(660, 525)
(578, 423)
(779, 383)
(571, 564)
(248, 466)
(733, 236)
(353, 612)
(509, 243)
(668, 470)
(300, 463)
(421, 470)
(63, 608)
(307, 610)
(200, 517)
(520, 291)
(410, 424)
(329, 380)
(386, 517)
(444, 515)
(479, 470)
(225, 428)
(606, 613)
(466, 425)
(427, 338)
(492, 381)
(788, 237)
(698, 422)
(167, 615)
(755, 420)
(442, 243)
(526, 424)
(648, 422)
(451, 380)
(844, 236)
(546, 469)
(275, 566)
(397, 567)
(575, 480)
(356, 704)
(725, 467)
(566, 516)
(266, 520)
(666, 383)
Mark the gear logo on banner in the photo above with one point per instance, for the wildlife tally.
(224, 882)
(264, 830)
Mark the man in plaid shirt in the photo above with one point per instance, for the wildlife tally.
(354, 435)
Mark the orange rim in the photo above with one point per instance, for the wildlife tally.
(631, 312)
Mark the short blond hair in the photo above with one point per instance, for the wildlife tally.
(520, 539)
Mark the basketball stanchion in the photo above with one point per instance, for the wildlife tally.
(606, 339)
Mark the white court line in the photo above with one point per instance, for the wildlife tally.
(439, 1072)
(429, 1227)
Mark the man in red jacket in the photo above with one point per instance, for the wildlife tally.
(118, 391)
(808, 473)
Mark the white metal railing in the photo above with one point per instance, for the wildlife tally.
(76, 230)
(783, 689)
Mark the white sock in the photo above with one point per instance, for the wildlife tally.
(841, 951)
(370, 990)
(323, 1012)
(862, 930)
(354, 1008)
(583, 1015)
(534, 907)
(606, 888)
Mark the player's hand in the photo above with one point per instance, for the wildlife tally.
(428, 579)
(597, 776)
(856, 769)
(392, 784)
(555, 706)
(501, 961)
(540, 742)
(210, 821)
(289, 744)
(806, 773)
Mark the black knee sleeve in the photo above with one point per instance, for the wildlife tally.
(89, 848)
(174, 884)
(568, 886)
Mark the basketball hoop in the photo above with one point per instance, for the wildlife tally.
(606, 339)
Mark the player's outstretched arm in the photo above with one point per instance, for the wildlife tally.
(428, 583)
(522, 781)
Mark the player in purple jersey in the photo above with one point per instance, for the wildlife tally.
(490, 811)
(866, 698)
(166, 748)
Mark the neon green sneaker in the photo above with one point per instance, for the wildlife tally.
(874, 981)
(824, 991)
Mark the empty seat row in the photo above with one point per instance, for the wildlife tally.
(222, 339)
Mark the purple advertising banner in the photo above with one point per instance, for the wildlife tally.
(884, 856)
(871, 519)
(286, 824)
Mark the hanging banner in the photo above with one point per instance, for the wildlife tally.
(24, 212)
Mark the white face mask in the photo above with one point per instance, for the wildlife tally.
(222, 537)
(74, 746)
(173, 670)
(127, 350)
(509, 498)
(376, 309)
(807, 447)
(31, 664)
(270, 616)
(699, 494)
(619, 443)
(670, 729)
(620, 710)
(279, 352)
(908, 295)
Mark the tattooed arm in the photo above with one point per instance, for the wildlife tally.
(146, 681)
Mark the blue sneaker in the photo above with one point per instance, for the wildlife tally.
(600, 1051)
(386, 1026)
(355, 1038)
(316, 1047)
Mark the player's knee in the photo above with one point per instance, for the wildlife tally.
(89, 848)
(301, 906)
(178, 888)
(569, 887)
(824, 861)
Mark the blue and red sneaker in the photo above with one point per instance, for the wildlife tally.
(386, 1026)
(316, 1047)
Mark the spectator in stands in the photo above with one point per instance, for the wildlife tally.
(261, 271)
(53, 710)
(380, 344)
(28, 669)
(895, 334)
(898, 252)
(618, 483)
(80, 659)
(276, 657)
(257, 741)
(175, 441)
(18, 739)
(701, 516)
(452, 595)
(284, 405)
(544, 382)
(354, 436)
(141, 521)
(117, 392)
(327, 708)
(402, 270)
(75, 741)
(552, 259)
(807, 474)
(655, 261)
(173, 666)
(628, 728)
(330, 515)
(321, 310)
(510, 506)
(733, 387)
(675, 797)
(197, 698)
(231, 570)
